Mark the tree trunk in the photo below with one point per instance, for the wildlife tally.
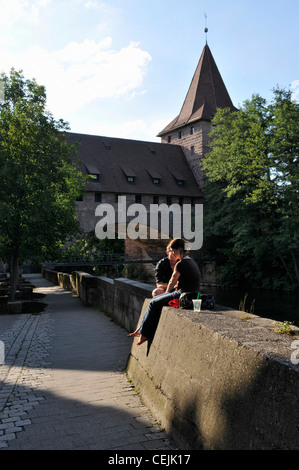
(288, 272)
(14, 275)
(295, 266)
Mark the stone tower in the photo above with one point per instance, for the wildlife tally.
(191, 128)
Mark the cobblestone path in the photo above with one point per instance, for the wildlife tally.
(63, 384)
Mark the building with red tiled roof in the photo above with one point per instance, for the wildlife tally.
(145, 172)
(155, 173)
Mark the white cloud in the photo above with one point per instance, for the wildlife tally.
(12, 11)
(137, 129)
(90, 4)
(295, 87)
(81, 73)
(96, 5)
(126, 129)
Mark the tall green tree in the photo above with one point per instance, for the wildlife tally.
(38, 181)
(252, 190)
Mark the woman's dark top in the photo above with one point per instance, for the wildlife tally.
(163, 271)
(189, 275)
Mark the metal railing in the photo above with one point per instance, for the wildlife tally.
(103, 259)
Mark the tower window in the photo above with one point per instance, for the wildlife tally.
(97, 197)
(180, 134)
(192, 130)
(169, 139)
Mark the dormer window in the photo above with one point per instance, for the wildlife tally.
(151, 149)
(155, 176)
(131, 179)
(129, 174)
(94, 176)
(178, 177)
(93, 172)
(107, 144)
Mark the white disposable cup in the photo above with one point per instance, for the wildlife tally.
(196, 305)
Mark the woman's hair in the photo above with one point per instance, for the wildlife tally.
(177, 243)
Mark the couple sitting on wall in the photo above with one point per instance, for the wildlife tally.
(185, 277)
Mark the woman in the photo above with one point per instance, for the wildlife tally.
(185, 278)
(163, 273)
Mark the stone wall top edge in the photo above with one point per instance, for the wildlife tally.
(135, 284)
(106, 279)
(249, 331)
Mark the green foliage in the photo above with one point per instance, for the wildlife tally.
(243, 307)
(138, 272)
(285, 327)
(252, 188)
(39, 182)
(90, 248)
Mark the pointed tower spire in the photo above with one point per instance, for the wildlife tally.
(191, 128)
(207, 92)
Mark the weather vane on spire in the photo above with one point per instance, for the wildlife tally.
(206, 28)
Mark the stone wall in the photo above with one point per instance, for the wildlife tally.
(85, 209)
(194, 140)
(120, 298)
(220, 379)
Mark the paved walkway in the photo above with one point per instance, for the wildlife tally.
(62, 385)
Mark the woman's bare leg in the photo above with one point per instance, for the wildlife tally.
(135, 333)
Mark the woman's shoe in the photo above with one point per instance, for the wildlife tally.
(143, 339)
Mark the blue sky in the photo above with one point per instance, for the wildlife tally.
(122, 68)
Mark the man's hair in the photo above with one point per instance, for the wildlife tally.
(176, 243)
